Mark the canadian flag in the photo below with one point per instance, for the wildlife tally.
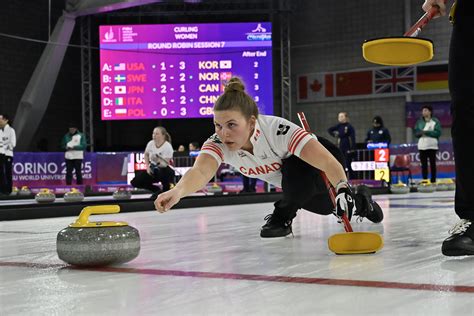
(315, 86)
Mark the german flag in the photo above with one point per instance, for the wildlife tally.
(432, 77)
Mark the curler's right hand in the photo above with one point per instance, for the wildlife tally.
(165, 201)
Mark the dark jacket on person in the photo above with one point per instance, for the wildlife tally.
(345, 134)
(378, 134)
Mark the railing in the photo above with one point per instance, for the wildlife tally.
(363, 155)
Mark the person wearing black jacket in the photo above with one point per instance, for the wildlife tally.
(378, 133)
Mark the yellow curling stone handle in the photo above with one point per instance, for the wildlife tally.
(83, 220)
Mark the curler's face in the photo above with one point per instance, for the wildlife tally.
(233, 129)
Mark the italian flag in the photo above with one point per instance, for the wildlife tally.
(119, 101)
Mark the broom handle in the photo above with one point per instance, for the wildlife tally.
(332, 191)
(427, 17)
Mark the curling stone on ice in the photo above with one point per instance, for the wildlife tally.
(73, 196)
(24, 191)
(86, 243)
(45, 196)
(441, 186)
(399, 188)
(449, 183)
(122, 194)
(214, 188)
(426, 186)
(14, 191)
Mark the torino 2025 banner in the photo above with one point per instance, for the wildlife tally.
(444, 159)
(49, 169)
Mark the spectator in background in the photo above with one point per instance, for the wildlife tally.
(428, 130)
(74, 143)
(193, 146)
(378, 133)
(194, 149)
(7, 144)
(345, 134)
(158, 157)
(181, 157)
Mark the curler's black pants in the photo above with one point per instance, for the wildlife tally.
(461, 87)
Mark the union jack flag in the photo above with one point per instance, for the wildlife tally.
(393, 80)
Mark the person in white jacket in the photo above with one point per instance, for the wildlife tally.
(7, 144)
(278, 152)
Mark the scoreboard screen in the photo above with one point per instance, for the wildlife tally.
(179, 70)
(373, 163)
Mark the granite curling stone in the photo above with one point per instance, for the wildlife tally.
(73, 196)
(449, 183)
(441, 186)
(426, 186)
(214, 188)
(399, 188)
(122, 194)
(45, 196)
(14, 191)
(86, 243)
(24, 191)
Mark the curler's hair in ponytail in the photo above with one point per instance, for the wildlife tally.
(235, 98)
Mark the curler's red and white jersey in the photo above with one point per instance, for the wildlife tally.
(274, 139)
